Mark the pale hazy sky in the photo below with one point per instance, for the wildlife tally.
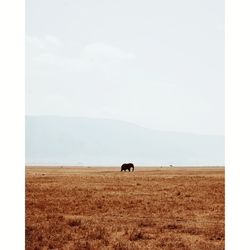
(159, 64)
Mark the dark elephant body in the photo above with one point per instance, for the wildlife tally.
(127, 166)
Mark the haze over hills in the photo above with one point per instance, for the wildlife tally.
(90, 141)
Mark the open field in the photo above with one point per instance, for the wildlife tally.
(103, 208)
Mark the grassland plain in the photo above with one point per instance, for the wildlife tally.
(103, 208)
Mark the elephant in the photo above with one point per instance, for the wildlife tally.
(127, 166)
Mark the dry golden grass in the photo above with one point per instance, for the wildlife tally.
(102, 208)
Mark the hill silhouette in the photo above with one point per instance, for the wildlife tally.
(90, 141)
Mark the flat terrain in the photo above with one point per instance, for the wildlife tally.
(103, 208)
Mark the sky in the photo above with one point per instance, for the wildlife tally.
(159, 64)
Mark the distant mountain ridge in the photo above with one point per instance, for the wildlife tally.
(93, 141)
